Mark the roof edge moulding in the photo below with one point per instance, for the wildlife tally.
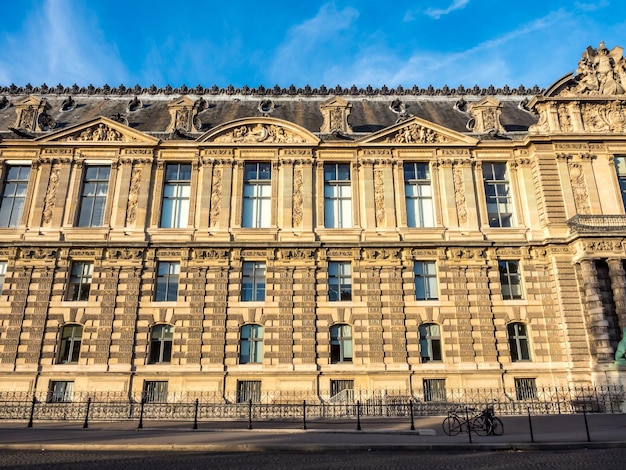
(418, 131)
(307, 90)
(259, 130)
(591, 100)
(100, 130)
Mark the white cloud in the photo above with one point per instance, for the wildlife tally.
(490, 62)
(437, 13)
(591, 6)
(58, 43)
(311, 44)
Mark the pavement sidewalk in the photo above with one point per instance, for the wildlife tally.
(548, 432)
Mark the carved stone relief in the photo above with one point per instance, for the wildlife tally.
(133, 195)
(298, 198)
(581, 197)
(32, 115)
(486, 116)
(51, 194)
(125, 254)
(184, 114)
(416, 134)
(565, 120)
(216, 197)
(99, 133)
(260, 133)
(335, 112)
(379, 196)
(459, 194)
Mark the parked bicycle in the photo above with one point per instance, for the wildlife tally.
(484, 423)
(491, 424)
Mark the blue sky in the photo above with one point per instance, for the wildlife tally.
(340, 42)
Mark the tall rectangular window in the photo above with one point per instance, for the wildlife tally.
(176, 193)
(518, 342)
(69, 349)
(337, 196)
(434, 389)
(425, 274)
(510, 280)
(167, 282)
(525, 388)
(339, 281)
(155, 391)
(251, 344)
(253, 281)
(257, 195)
(620, 167)
(94, 196)
(80, 281)
(3, 273)
(248, 391)
(340, 343)
(419, 195)
(161, 339)
(430, 342)
(498, 195)
(341, 390)
(60, 391)
(14, 195)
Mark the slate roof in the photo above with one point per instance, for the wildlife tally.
(370, 112)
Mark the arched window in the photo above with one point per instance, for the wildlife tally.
(340, 343)
(69, 347)
(518, 342)
(251, 344)
(161, 344)
(430, 342)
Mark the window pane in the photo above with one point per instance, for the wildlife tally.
(13, 196)
(176, 193)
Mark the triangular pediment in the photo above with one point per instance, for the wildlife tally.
(182, 101)
(30, 100)
(259, 131)
(335, 101)
(417, 131)
(100, 130)
(487, 102)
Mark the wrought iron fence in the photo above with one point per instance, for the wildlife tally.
(208, 406)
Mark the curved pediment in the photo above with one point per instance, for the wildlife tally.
(99, 130)
(416, 131)
(259, 131)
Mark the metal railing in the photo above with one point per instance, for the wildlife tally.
(597, 223)
(105, 406)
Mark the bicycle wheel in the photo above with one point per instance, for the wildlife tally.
(451, 426)
(480, 425)
(497, 428)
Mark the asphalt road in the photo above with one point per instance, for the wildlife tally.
(612, 458)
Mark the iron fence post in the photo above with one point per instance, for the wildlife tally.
(195, 415)
(304, 415)
(250, 414)
(32, 412)
(469, 426)
(143, 401)
(86, 423)
(412, 418)
(530, 425)
(586, 424)
(358, 415)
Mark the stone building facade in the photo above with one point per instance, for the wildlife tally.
(245, 241)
